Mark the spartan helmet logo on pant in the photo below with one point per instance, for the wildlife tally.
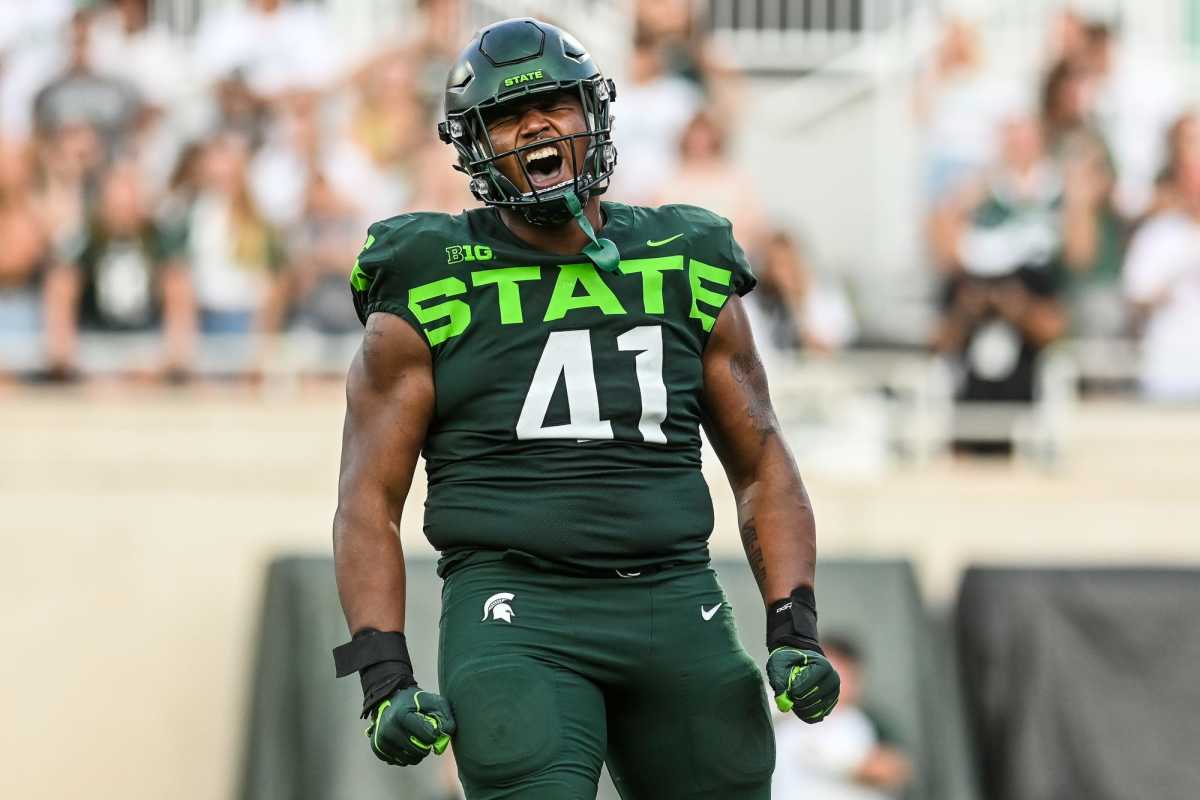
(497, 607)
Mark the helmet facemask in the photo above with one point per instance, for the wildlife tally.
(477, 156)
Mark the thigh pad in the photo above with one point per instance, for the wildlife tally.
(508, 718)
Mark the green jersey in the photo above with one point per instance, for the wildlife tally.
(568, 398)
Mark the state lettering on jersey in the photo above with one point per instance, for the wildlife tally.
(442, 306)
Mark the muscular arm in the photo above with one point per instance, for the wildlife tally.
(389, 403)
(774, 513)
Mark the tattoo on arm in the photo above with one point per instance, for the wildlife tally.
(748, 371)
(754, 553)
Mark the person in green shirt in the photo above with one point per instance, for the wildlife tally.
(553, 358)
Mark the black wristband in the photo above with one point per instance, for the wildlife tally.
(792, 622)
(382, 662)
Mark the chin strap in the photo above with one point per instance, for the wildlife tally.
(602, 252)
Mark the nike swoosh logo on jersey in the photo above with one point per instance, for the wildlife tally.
(661, 242)
(709, 613)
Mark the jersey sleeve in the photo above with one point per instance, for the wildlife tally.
(743, 279)
(378, 281)
(717, 267)
(718, 249)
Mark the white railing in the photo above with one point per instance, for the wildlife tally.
(800, 35)
(862, 409)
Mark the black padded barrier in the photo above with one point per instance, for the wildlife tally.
(1083, 683)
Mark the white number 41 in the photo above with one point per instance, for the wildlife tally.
(568, 354)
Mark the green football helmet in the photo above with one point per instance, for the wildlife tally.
(507, 62)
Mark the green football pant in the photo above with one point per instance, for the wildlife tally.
(550, 675)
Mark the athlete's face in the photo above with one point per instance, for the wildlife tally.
(523, 122)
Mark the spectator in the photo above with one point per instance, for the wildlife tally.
(1094, 231)
(124, 290)
(437, 187)
(1001, 244)
(234, 253)
(1064, 106)
(279, 47)
(1007, 217)
(792, 307)
(388, 121)
(1135, 100)
(675, 27)
(279, 172)
(81, 96)
(1067, 38)
(24, 257)
(69, 159)
(707, 178)
(1162, 280)
(389, 126)
(1094, 240)
(958, 105)
(323, 331)
(127, 45)
(323, 247)
(183, 187)
(654, 108)
(1183, 144)
(31, 53)
(302, 143)
(435, 46)
(850, 755)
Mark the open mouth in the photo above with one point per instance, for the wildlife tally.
(546, 166)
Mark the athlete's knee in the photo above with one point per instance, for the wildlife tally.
(509, 721)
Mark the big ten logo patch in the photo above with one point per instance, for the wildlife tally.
(458, 253)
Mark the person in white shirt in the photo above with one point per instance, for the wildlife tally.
(1135, 98)
(847, 757)
(959, 105)
(235, 255)
(795, 307)
(1162, 280)
(656, 107)
(280, 46)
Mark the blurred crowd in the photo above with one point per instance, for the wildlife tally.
(159, 193)
(168, 204)
(1066, 209)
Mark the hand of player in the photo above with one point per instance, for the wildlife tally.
(804, 682)
(408, 725)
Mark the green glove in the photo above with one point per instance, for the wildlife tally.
(408, 725)
(804, 682)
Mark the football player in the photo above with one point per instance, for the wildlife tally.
(554, 357)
